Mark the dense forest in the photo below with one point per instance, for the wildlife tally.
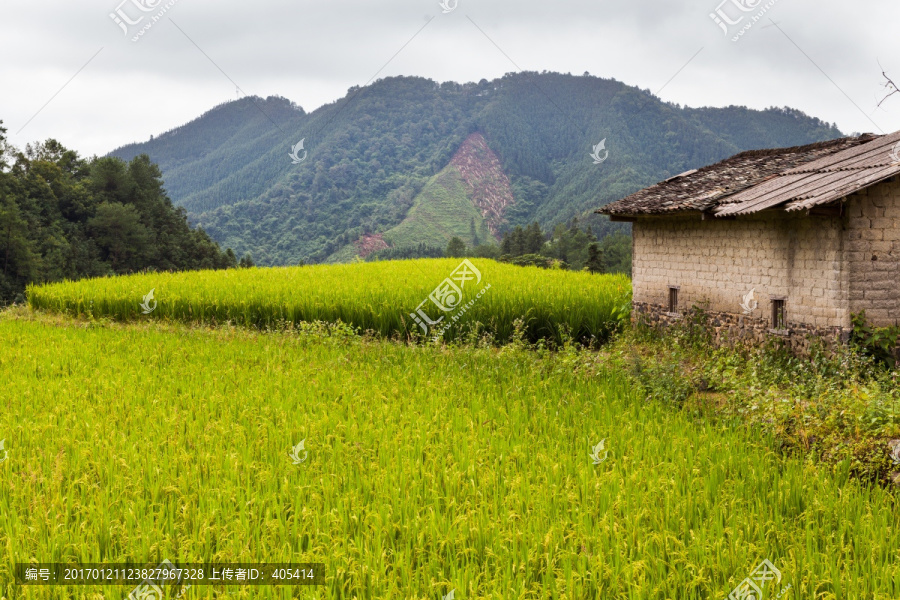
(65, 217)
(373, 153)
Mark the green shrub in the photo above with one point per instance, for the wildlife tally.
(882, 343)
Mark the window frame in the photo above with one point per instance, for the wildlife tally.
(779, 313)
(672, 306)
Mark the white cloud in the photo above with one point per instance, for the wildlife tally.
(312, 51)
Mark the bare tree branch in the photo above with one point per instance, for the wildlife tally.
(888, 85)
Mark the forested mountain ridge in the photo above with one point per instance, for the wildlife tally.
(372, 154)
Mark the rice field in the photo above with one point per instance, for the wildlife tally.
(383, 297)
(430, 470)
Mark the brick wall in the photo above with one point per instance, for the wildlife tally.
(800, 258)
(726, 329)
(873, 253)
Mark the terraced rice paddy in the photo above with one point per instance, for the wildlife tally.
(429, 469)
(370, 296)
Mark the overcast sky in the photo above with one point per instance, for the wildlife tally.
(821, 57)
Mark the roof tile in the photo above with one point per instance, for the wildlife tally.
(759, 179)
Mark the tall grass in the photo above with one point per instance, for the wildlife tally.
(428, 471)
(371, 296)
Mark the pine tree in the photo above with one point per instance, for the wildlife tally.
(595, 259)
(456, 248)
(534, 239)
(246, 262)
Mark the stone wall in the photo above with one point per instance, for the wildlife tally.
(873, 253)
(729, 329)
(797, 258)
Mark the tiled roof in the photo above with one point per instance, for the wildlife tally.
(799, 177)
(822, 181)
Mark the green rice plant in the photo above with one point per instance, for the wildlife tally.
(430, 469)
(370, 296)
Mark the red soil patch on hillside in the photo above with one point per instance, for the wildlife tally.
(368, 244)
(488, 185)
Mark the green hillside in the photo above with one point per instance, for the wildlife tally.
(442, 211)
(373, 152)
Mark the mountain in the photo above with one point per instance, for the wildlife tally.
(407, 161)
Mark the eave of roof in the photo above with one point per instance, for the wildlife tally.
(762, 179)
(822, 181)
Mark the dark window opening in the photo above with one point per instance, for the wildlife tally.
(779, 321)
(673, 299)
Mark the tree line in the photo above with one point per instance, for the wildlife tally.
(567, 247)
(67, 217)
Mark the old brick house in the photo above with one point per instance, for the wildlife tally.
(786, 241)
